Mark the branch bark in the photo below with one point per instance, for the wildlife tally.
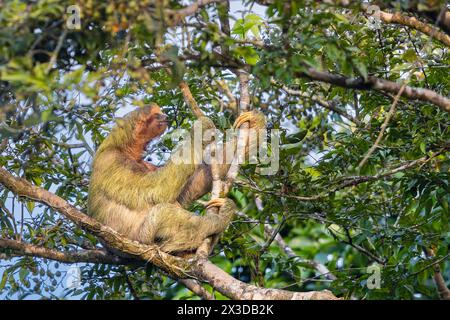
(90, 256)
(439, 281)
(177, 16)
(351, 181)
(414, 23)
(436, 12)
(377, 84)
(236, 289)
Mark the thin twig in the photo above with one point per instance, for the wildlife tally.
(442, 289)
(130, 285)
(56, 52)
(383, 127)
(189, 99)
(319, 101)
(196, 288)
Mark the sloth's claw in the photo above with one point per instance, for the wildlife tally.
(244, 117)
(216, 202)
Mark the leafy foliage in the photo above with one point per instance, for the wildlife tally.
(61, 89)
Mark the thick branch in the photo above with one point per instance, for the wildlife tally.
(90, 256)
(436, 13)
(416, 24)
(378, 84)
(235, 289)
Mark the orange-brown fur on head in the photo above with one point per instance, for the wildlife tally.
(149, 124)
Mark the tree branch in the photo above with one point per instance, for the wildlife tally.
(377, 84)
(443, 291)
(232, 104)
(189, 99)
(319, 101)
(412, 22)
(389, 115)
(435, 12)
(177, 16)
(174, 266)
(358, 83)
(197, 288)
(90, 256)
(351, 181)
(236, 289)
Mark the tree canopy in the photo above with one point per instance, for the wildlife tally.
(359, 93)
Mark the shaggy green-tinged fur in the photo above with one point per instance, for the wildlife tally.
(142, 204)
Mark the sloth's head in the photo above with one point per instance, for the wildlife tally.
(137, 129)
(153, 123)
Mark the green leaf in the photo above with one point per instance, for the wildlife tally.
(248, 53)
(3, 281)
(410, 55)
(250, 22)
(423, 147)
(30, 206)
(361, 68)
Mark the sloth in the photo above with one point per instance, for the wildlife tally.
(148, 203)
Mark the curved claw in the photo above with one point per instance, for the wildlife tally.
(244, 117)
(216, 202)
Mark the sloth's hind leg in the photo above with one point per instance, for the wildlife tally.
(175, 229)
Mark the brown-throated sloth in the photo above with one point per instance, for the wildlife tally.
(140, 200)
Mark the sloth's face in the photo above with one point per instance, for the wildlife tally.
(157, 122)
